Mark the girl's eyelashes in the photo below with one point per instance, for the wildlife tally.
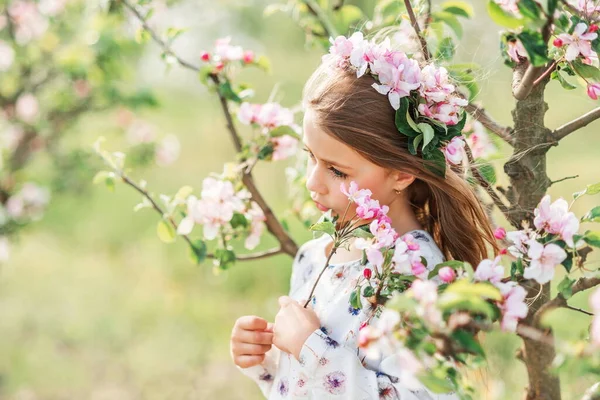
(337, 174)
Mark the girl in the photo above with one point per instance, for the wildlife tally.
(350, 135)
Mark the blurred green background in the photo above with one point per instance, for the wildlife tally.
(94, 306)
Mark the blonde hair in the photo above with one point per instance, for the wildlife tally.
(351, 111)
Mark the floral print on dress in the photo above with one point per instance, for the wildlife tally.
(330, 364)
(335, 382)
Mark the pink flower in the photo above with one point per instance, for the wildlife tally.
(454, 151)
(556, 218)
(447, 274)
(509, 5)
(285, 146)
(248, 56)
(383, 233)
(519, 240)
(367, 335)
(425, 292)
(368, 208)
(342, 46)
(167, 151)
(447, 112)
(544, 260)
(404, 258)
(257, 226)
(513, 306)
(353, 192)
(398, 76)
(268, 115)
(479, 141)
(515, 50)
(593, 90)
(489, 271)
(364, 53)
(579, 42)
(27, 107)
(226, 52)
(436, 86)
(588, 6)
(29, 202)
(500, 233)
(141, 131)
(248, 113)
(419, 269)
(7, 56)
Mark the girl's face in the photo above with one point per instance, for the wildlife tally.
(332, 162)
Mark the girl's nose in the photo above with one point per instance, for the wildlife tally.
(314, 181)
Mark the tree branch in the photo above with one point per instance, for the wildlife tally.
(274, 226)
(415, 25)
(527, 83)
(481, 115)
(570, 127)
(315, 9)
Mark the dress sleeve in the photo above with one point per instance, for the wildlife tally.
(264, 373)
(337, 372)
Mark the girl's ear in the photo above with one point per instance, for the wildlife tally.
(402, 180)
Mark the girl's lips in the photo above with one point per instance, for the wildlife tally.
(321, 206)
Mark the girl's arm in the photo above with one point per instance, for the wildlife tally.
(336, 370)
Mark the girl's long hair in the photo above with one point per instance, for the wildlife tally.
(351, 111)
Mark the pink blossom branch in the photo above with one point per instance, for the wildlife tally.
(547, 72)
(415, 25)
(288, 246)
(481, 115)
(570, 127)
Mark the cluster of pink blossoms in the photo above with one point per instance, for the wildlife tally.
(407, 258)
(553, 218)
(270, 116)
(224, 52)
(28, 203)
(399, 76)
(30, 18)
(215, 208)
(579, 42)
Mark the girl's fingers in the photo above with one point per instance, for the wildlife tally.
(246, 361)
(269, 327)
(249, 348)
(251, 322)
(254, 337)
(285, 300)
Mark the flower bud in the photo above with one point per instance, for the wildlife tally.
(593, 28)
(500, 233)
(418, 268)
(558, 42)
(205, 56)
(447, 274)
(248, 56)
(367, 273)
(503, 252)
(219, 66)
(593, 90)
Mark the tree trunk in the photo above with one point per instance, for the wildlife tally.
(528, 184)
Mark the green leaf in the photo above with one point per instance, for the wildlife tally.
(368, 291)
(454, 264)
(549, 6)
(283, 131)
(592, 238)
(436, 384)
(529, 9)
(224, 258)
(205, 72)
(362, 233)
(456, 130)
(589, 190)
(450, 20)
(586, 71)
(325, 226)
(402, 123)
(227, 91)
(413, 145)
(165, 231)
(107, 177)
(142, 36)
(568, 262)
(592, 216)
(565, 287)
(445, 49)
(556, 75)
(460, 8)
(436, 162)
(197, 251)
(239, 220)
(468, 342)
(263, 63)
(501, 17)
(517, 266)
(428, 133)
(355, 301)
(480, 289)
(536, 46)
(488, 172)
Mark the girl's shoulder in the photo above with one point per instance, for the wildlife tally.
(427, 247)
(310, 250)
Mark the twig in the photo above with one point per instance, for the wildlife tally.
(547, 72)
(559, 301)
(481, 115)
(486, 185)
(315, 9)
(579, 310)
(288, 246)
(570, 127)
(312, 291)
(563, 179)
(527, 82)
(415, 25)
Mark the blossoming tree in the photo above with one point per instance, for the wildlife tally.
(432, 313)
(60, 61)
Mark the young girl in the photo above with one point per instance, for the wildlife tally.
(350, 135)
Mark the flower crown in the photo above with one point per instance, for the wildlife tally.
(428, 111)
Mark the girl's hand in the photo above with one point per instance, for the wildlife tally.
(293, 325)
(251, 338)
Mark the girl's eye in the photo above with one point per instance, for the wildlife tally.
(309, 154)
(337, 174)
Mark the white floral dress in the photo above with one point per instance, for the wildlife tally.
(331, 365)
